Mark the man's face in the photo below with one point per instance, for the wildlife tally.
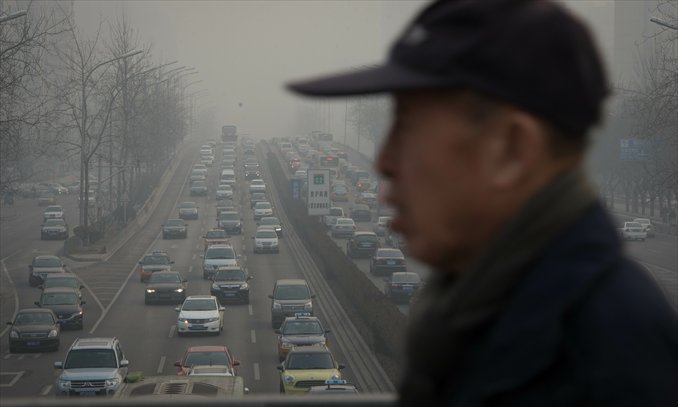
(433, 158)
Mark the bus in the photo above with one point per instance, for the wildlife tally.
(329, 162)
(321, 141)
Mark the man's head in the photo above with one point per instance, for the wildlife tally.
(493, 100)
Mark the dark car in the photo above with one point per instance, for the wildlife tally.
(66, 304)
(54, 229)
(165, 286)
(387, 261)
(207, 356)
(43, 265)
(174, 228)
(362, 244)
(252, 171)
(224, 205)
(34, 329)
(257, 197)
(63, 280)
(361, 213)
(230, 284)
(402, 285)
(198, 188)
(230, 222)
(300, 330)
(188, 210)
(273, 223)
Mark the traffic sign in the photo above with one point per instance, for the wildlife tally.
(296, 188)
(318, 201)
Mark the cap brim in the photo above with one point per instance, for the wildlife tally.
(378, 79)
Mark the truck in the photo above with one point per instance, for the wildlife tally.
(229, 132)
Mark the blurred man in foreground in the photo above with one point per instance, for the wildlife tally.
(533, 302)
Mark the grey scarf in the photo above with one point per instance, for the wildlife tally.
(454, 312)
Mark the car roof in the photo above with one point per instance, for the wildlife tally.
(35, 310)
(220, 246)
(291, 281)
(310, 349)
(364, 233)
(60, 275)
(93, 342)
(200, 297)
(388, 249)
(206, 348)
(59, 290)
(46, 256)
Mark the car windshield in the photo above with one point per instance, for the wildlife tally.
(174, 222)
(199, 304)
(291, 292)
(390, 253)
(61, 282)
(46, 262)
(266, 234)
(302, 328)
(258, 195)
(366, 238)
(225, 188)
(269, 221)
(164, 278)
(229, 275)
(262, 205)
(405, 278)
(53, 209)
(155, 259)
(206, 358)
(220, 253)
(216, 234)
(33, 318)
(315, 360)
(90, 358)
(345, 222)
(257, 182)
(59, 299)
(54, 222)
(229, 216)
(633, 225)
(199, 184)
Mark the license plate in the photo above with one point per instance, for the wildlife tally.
(228, 294)
(197, 327)
(88, 392)
(33, 343)
(390, 262)
(365, 245)
(408, 288)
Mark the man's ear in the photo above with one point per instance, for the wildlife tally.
(516, 145)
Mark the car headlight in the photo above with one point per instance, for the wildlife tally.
(112, 382)
(335, 377)
(258, 243)
(288, 379)
(64, 384)
(308, 305)
(215, 286)
(53, 333)
(287, 345)
(14, 335)
(150, 291)
(212, 319)
(179, 290)
(183, 320)
(276, 305)
(244, 286)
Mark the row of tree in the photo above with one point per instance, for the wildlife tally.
(97, 100)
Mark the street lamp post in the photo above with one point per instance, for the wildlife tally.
(84, 159)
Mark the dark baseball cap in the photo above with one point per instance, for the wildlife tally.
(531, 53)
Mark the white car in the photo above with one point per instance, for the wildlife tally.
(262, 209)
(266, 240)
(336, 212)
(300, 174)
(647, 225)
(225, 192)
(200, 313)
(218, 255)
(257, 185)
(344, 227)
(633, 231)
(53, 212)
(382, 225)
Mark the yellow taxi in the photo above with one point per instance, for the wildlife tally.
(307, 366)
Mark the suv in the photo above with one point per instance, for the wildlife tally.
(230, 283)
(92, 366)
(289, 298)
(41, 266)
(216, 256)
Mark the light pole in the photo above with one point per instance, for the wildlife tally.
(12, 16)
(84, 156)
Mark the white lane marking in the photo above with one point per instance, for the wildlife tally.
(171, 332)
(190, 269)
(197, 246)
(257, 376)
(193, 256)
(174, 246)
(250, 309)
(161, 365)
(21, 357)
(14, 292)
(17, 376)
(45, 390)
(7, 356)
(253, 336)
(37, 355)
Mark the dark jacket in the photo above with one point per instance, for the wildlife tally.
(585, 326)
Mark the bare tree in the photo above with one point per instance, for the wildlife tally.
(25, 100)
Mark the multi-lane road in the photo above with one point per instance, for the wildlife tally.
(114, 294)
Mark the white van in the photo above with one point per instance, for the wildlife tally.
(227, 177)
